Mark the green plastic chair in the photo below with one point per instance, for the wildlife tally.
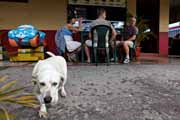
(101, 35)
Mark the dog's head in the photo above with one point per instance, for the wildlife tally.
(48, 84)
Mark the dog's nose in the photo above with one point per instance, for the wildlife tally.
(47, 99)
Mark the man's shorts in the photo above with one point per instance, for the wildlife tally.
(130, 44)
(118, 43)
(89, 43)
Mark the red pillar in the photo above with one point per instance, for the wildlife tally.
(163, 43)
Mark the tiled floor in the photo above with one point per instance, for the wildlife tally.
(155, 59)
(146, 58)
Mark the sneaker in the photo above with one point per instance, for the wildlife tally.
(112, 59)
(126, 60)
(88, 61)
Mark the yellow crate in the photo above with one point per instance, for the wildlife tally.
(24, 57)
(30, 50)
(29, 54)
(39, 55)
(39, 49)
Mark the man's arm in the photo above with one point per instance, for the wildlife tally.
(114, 33)
(89, 35)
(131, 38)
(73, 29)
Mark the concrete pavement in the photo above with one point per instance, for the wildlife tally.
(115, 92)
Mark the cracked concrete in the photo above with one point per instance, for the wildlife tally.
(115, 92)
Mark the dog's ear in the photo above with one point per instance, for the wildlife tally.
(36, 89)
(36, 86)
(61, 79)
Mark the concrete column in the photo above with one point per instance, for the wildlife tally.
(163, 27)
(131, 6)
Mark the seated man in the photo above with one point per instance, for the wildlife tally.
(71, 45)
(130, 35)
(101, 20)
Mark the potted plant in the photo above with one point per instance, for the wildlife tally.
(144, 33)
(10, 93)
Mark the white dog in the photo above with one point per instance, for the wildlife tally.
(49, 76)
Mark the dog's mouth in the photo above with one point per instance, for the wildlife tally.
(51, 104)
(48, 105)
(48, 100)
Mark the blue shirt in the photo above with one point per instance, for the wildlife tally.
(67, 31)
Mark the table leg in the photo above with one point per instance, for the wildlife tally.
(115, 52)
(82, 47)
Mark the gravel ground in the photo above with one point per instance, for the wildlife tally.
(115, 92)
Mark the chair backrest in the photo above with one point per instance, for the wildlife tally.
(101, 35)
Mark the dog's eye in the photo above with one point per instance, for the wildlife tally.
(54, 83)
(42, 84)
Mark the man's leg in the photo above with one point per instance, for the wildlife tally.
(88, 44)
(87, 53)
(114, 46)
(126, 48)
(127, 45)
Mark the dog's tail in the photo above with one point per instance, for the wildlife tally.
(50, 53)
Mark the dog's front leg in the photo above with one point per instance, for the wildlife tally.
(61, 87)
(43, 110)
(63, 92)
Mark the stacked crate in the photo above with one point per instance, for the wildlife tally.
(29, 54)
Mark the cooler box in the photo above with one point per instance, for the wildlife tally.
(29, 54)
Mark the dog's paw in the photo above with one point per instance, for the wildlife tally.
(63, 93)
(43, 114)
